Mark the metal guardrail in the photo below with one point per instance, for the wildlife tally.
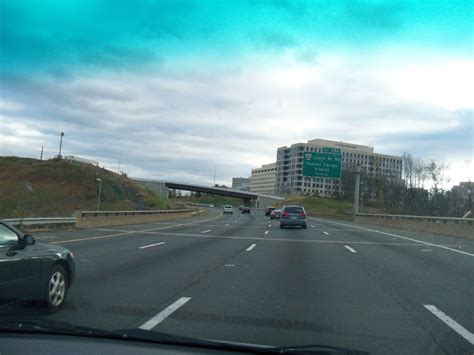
(85, 214)
(41, 221)
(439, 220)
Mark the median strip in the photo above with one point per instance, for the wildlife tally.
(458, 328)
(151, 245)
(350, 249)
(160, 317)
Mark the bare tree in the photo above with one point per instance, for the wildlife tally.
(419, 173)
(408, 167)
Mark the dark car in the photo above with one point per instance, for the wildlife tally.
(269, 210)
(275, 214)
(293, 216)
(33, 270)
(245, 210)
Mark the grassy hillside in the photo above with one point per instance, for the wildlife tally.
(318, 206)
(42, 188)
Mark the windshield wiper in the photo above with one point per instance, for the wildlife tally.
(33, 325)
(164, 338)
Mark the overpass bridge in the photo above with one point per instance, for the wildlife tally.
(251, 199)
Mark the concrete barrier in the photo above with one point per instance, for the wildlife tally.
(456, 227)
(86, 219)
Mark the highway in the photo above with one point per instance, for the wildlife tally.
(241, 278)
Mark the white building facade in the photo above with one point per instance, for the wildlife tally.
(289, 167)
(262, 179)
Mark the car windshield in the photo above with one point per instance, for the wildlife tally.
(129, 129)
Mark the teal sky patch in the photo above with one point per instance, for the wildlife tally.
(75, 35)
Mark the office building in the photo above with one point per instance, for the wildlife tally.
(289, 166)
(241, 183)
(262, 179)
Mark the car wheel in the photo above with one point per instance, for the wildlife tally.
(56, 288)
(281, 226)
(304, 227)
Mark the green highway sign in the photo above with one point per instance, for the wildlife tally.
(326, 165)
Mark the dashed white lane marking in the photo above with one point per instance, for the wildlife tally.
(160, 317)
(350, 249)
(229, 265)
(227, 225)
(458, 328)
(426, 249)
(151, 245)
(312, 226)
(251, 247)
(401, 237)
(235, 221)
(266, 232)
(206, 231)
(325, 232)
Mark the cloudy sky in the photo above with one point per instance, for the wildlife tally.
(176, 88)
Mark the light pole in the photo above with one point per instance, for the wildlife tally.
(100, 191)
(61, 144)
(215, 170)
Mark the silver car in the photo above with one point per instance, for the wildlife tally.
(293, 215)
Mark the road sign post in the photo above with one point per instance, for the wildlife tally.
(356, 193)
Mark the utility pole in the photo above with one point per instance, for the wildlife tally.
(61, 144)
(215, 170)
(356, 193)
(42, 147)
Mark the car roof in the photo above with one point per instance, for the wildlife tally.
(293, 206)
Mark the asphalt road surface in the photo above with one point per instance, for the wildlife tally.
(241, 278)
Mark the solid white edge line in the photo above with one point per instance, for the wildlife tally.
(151, 245)
(206, 231)
(458, 328)
(160, 317)
(251, 247)
(350, 249)
(399, 236)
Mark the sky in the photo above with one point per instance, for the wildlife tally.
(181, 89)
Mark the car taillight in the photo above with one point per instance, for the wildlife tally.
(285, 214)
(302, 214)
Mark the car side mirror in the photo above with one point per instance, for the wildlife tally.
(28, 239)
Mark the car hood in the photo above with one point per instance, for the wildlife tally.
(53, 248)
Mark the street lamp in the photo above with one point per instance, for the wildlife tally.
(100, 190)
(61, 144)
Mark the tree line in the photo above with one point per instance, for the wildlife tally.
(410, 195)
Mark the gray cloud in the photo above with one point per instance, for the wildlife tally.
(181, 126)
